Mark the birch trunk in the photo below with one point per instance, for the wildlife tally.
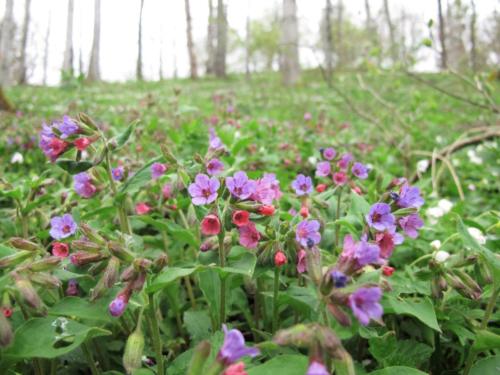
(193, 68)
(68, 51)
(211, 35)
(138, 70)
(442, 37)
(290, 68)
(220, 54)
(46, 51)
(6, 44)
(94, 73)
(24, 43)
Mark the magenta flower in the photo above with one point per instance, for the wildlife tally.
(67, 127)
(302, 185)
(234, 347)
(214, 166)
(380, 217)
(118, 305)
(215, 142)
(323, 169)
(360, 171)
(344, 161)
(62, 226)
(301, 261)
(51, 146)
(117, 173)
(317, 368)
(83, 185)
(365, 305)
(329, 153)
(249, 236)
(409, 196)
(340, 178)
(240, 185)
(167, 191)
(157, 170)
(307, 233)
(204, 189)
(387, 240)
(267, 189)
(411, 224)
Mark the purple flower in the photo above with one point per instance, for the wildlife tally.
(214, 166)
(51, 146)
(317, 368)
(83, 185)
(380, 217)
(365, 305)
(411, 224)
(360, 171)
(240, 186)
(301, 261)
(157, 170)
(366, 253)
(329, 153)
(204, 189)
(118, 305)
(214, 141)
(387, 240)
(307, 233)
(117, 173)
(409, 196)
(267, 189)
(234, 347)
(62, 226)
(67, 127)
(344, 161)
(302, 185)
(339, 279)
(323, 169)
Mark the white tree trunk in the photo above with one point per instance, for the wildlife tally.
(68, 51)
(442, 37)
(7, 45)
(193, 66)
(94, 71)
(46, 51)
(211, 36)
(24, 43)
(328, 41)
(290, 67)
(138, 72)
(220, 54)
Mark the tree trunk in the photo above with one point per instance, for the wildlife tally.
(392, 32)
(473, 37)
(24, 43)
(211, 35)
(6, 44)
(442, 37)
(94, 71)
(328, 42)
(138, 69)
(247, 46)
(46, 51)
(193, 68)
(290, 68)
(369, 21)
(340, 34)
(220, 54)
(68, 51)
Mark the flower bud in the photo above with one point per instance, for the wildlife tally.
(118, 251)
(91, 234)
(45, 264)
(441, 256)
(6, 334)
(339, 314)
(86, 120)
(82, 258)
(388, 271)
(27, 292)
(167, 154)
(470, 282)
(137, 283)
(72, 289)
(200, 355)
(280, 259)
(46, 280)
(119, 304)
(85, 245)
(267, 210)
(304, 212)
(436, 245)
(321, 188)
(21, 243)
(15, 259)
(160, 263)
(210, 225)
(128, 274)
(132, 357)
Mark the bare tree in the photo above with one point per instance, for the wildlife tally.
(442, 37)
(46, 51)
(328, 41)
(193, 68)
(94, 73)
(290, 67)
(392, 32)
(68, 51)
(211, 39)
(220, 54)
(7, 45)
(340, 36)
(24, 43)
(473, 36)
(138, 70)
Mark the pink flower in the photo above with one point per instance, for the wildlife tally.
(266, 210)
(157, 170)
(249, 236)
(214, 166)
(301, 261)
(240, 218)
(340, 178)
(329, 153)
(167, 191)
(280, 259)
(142, 208)
(82, 143)
(60, 249)
(387, 241)
(210, 225)
(236, 369)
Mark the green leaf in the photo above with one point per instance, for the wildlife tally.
(486, 340)
(74, 167)
(398, 370)
(282, 365)
(139, 179)
(422, 309)
(209, 282)
(39, 337)
(198, 324)
(240, 261)
(388, 351)
(122, 139)
(82, 309)
(303, 299)
(169, 275)
(486, 366)
(182, 235)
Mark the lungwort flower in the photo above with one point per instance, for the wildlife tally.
(380, 217)
(360, 171)
(204, 189)
(157, 170)
(240, 185)
(411, 224)
(302, 185)
(62, 226)
(307, 233)
(234, 347)
(83, 185)
(249, 236)
(365, 304)
(409, 196)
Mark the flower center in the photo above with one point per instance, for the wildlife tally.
(66, 229)
(376, 217)
(206, 192)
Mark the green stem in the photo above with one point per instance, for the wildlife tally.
(124, 224)
(275, 297)
(190, 293)
(90, 359)
(337, 226)
(426, 256)
(487, 314)
(155, 332)
(222, 261)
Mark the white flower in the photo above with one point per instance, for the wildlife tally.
(434, 213)
(441, 256)
(477, 235)
(436, 244)
(445, 205)
(17, 158)
(312, 160)
(422, 165)
(471, 187)
(237, 134)
(439, 139)
(474, 159)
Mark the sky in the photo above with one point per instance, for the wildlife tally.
(164, 31)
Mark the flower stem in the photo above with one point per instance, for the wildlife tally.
(487, 314)
(275, 297)
(124, 224)
(155, 332)
(337, 226)
(222, 261)
(90, 359)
